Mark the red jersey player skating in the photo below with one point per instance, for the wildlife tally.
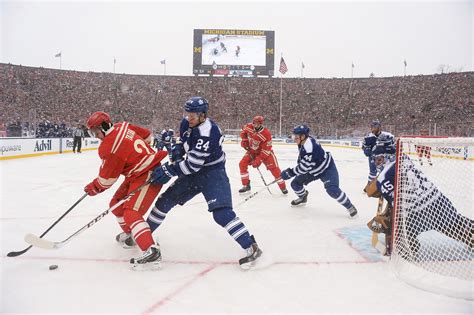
(125, 150)
(257, 141)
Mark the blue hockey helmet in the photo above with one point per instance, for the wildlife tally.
(196, 104)
(375, 123)
(301, 130)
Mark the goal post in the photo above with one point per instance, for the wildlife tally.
(432, 219)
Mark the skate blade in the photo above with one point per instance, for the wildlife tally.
(151, 266)
(354, 217)
(264, 261)
(299, 205)
(124, 246)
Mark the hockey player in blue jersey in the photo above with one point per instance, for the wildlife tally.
(313, 164)
(166, 140)
(426, 208)
(202, 170)
(376, 137)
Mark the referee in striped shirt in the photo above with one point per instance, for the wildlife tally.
(78, 135)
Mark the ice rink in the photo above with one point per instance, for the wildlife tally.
(323, 261)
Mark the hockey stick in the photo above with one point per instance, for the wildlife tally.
(14, 254)
(256, 193)
(45, 244)
(261, 176)
(375, 236)
(263, 180)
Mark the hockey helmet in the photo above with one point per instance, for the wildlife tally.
(99, 120)
(196, 104)
(258, 119)
(375, 123)
(382, 155)
(301, 130)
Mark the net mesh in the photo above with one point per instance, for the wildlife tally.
(433, 214)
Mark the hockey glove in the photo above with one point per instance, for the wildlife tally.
(287, 174)
(162, 174)
(367, 150)
(245, 144)
(94, 188)
(256, 162)
(177, 152)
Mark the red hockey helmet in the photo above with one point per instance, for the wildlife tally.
(97, 119)
(258, 119)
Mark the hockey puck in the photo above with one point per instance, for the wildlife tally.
(53, 267)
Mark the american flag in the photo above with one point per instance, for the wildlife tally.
(283, 67)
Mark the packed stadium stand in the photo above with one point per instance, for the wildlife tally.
(57, 100)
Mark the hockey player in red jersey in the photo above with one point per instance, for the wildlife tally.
(257, 141)
(125, 150)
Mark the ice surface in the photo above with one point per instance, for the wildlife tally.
(323, 260)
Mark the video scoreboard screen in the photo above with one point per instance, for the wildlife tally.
(233, 52)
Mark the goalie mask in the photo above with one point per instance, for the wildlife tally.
(381, 157)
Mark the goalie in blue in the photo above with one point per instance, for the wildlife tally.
(200, 168)
(314, 163)
(426, 208)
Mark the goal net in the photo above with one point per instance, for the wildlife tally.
(433, 215)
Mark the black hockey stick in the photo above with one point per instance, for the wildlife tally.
(261, 176)
(256, 193)
(45, 244)
(263, 180)
(14, 254)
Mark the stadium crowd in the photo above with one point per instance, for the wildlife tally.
(337, 107)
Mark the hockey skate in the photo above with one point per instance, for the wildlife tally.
(149, 260)
(301, 200)
(125, 240)
(253, 254)
(284, 191)
(352, 212)
(244, 189)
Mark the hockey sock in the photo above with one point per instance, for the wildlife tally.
(340, 196)
(227, 218)
(123, 225)
(140, 229)
(155, 218)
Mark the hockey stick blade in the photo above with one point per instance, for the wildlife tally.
(34, 240)
(21, 252)
(45, 244)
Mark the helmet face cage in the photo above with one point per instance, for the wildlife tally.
(196, 104)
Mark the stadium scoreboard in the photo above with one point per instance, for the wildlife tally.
(233, 52)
